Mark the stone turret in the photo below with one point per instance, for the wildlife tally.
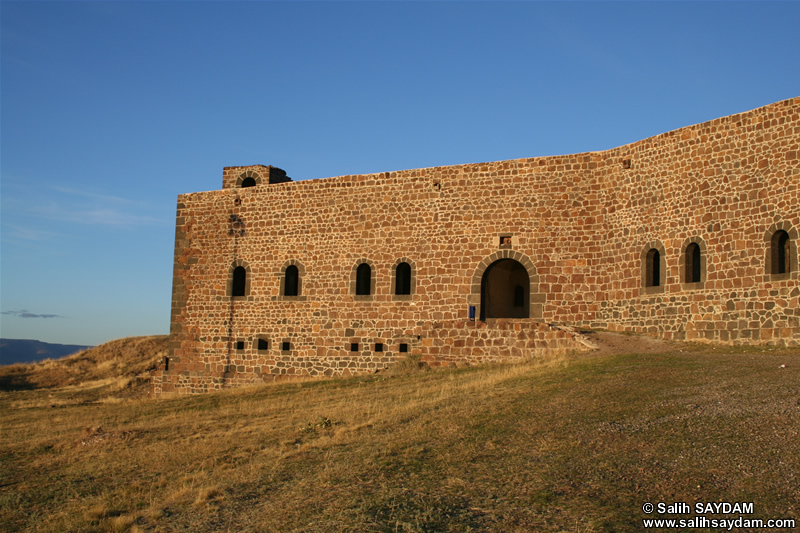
(251, 176)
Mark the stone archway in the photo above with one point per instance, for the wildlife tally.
(506, 285)
(505, 290)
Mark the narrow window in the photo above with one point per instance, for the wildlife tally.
(263, 344)
(378, 346)
(248, 182)
(286, 346)
(780, 252)
(166, 363)
(239, 281)
(519, 296)
(353, 346)
(291, 280)
(653, 269)
(239, 346)
(363, 279)
(403, 348)
(402, 279)
(692, 274)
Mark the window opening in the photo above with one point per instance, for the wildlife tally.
(239, 281)
(239, 345)
(519, 296)
(403, 279)
(263, 344)
(353, 346)
(286, 346)
(291, 281)
(363, 279)
(780, 252)
(693, 273)
(248, 182)
(378, 346)
(403, 347)
(653, 270)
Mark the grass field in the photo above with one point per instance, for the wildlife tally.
(570, 444)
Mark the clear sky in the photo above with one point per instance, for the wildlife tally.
(109, 110)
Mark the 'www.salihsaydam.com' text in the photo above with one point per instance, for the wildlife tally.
(717, 523)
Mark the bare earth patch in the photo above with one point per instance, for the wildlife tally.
(610, 343)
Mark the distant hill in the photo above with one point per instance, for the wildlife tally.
(30, 351)
(124, 361)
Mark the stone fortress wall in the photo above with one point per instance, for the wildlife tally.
(691, 235)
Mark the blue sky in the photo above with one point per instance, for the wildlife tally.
(109, 110)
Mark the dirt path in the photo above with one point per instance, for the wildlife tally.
(612, 343)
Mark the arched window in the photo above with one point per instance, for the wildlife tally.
(363, 280)
(291, 281)
(402, 283)
(653, 268)
(403, 280)
(239, 281)
(291, 277)
(519, 296)
(693, 264)
(248, 182)
(780, 250)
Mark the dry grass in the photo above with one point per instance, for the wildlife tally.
(567, 444)
(116, 369)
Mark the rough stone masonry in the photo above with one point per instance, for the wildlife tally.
(691, 234)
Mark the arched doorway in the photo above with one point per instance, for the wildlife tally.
(505, 290)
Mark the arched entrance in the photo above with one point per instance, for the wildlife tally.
(505, 290)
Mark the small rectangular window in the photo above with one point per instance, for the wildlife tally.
(239, 345)
(353, 346)
(378, 346)
(286, 346)
(403, 348)
(263, 344)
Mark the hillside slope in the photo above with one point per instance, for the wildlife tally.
(119, 362)
(573, 444)
(14, 351)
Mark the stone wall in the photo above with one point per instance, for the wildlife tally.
(578, 227)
